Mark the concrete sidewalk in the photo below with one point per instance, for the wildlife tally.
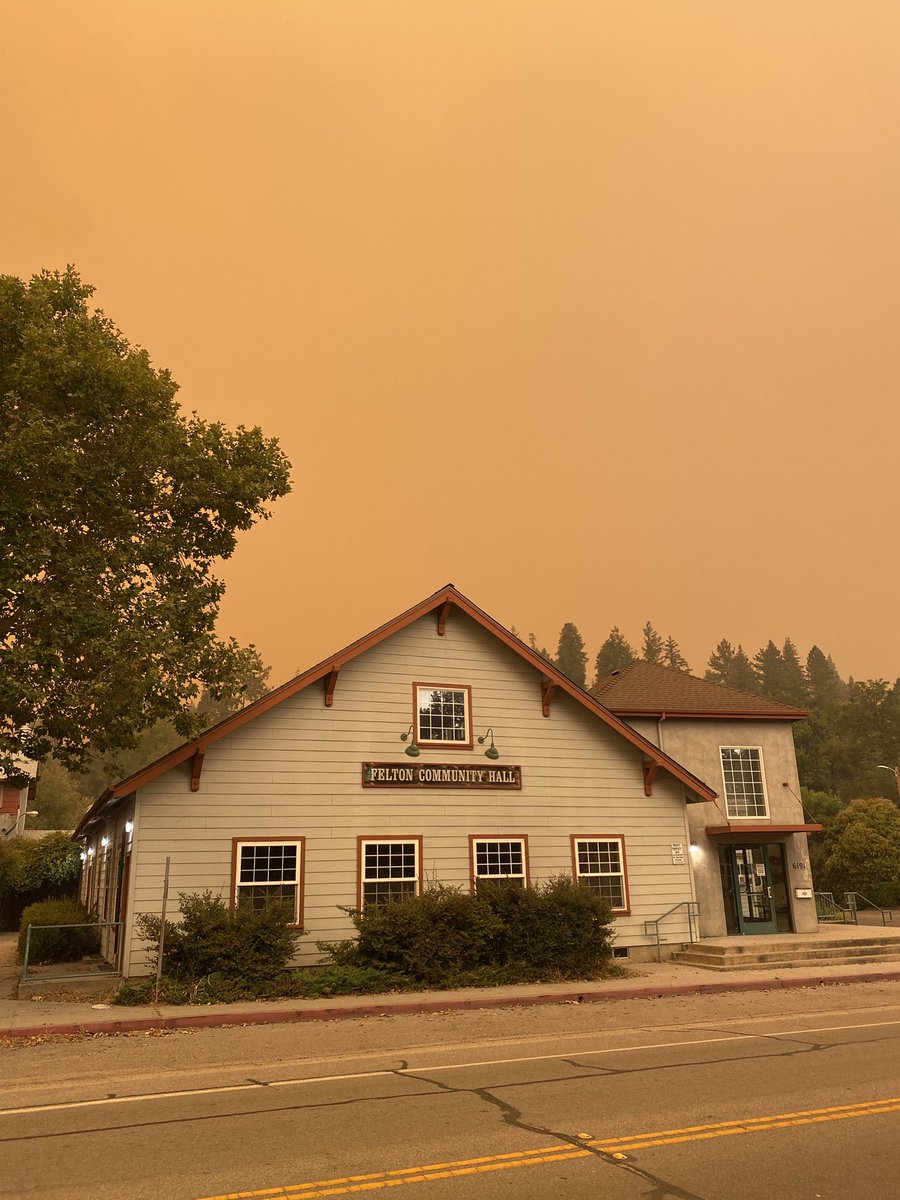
(39, 1017)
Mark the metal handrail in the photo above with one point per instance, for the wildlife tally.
(852, 897)
(114, 970)
(828, 909)
(692, 907)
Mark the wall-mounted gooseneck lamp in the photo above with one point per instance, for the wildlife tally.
(492, 751)
(412, 749)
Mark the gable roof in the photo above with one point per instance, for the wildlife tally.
(441, 603)
(648, 689)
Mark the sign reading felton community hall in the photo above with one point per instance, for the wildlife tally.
(439, 775)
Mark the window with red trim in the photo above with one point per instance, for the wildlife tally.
(600, 865)
(269, 873)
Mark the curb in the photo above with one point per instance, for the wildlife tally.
(292, 1016)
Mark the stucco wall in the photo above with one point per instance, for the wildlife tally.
(696, 744)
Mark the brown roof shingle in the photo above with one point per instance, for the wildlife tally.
(648, 689)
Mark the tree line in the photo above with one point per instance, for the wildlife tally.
(847, 747)
(853, 727)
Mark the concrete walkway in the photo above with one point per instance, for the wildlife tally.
(41, 1017)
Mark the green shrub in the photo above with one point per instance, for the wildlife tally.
(57, 945)
(144, 991)
(448, 938)
(335, 980)
(44, 868)
(306, 983)
(249, 947)
(560, 928)
(429, 937)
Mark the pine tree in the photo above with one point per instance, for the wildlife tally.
(672, 656)
(542, 651)
(792, 687)
(741, 674)
(571, 658)
(720, 662)
(652, 651)
(614, 654)
(767, 666)
(825, 684)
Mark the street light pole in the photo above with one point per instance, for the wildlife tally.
(895, 771)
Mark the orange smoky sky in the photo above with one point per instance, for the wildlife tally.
(588, 307)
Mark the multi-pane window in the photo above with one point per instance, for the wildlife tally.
(742, 774)
(442, 715)
(600, 864)
(499, 861)
(390, 870)
(268, 873)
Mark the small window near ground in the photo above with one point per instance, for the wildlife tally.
(742, 775)
(443, 715)
(500, 861)
(600, 864)
(269, 873)
(388, 870)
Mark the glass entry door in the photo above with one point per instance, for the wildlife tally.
(752, 881)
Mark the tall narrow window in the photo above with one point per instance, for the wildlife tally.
(269, 873)
(443, 715)
(388, 870)
(500, 861)
(600, 864)
(742, 775)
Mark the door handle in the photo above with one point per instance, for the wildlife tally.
(769, 891)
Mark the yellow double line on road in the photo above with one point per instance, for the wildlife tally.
(612, 1147)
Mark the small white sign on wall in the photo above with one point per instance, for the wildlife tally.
(677, 854)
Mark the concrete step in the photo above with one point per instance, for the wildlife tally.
(685, 958)
(756, 953)
(741, 947)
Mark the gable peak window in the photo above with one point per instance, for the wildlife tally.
(443, 715)
(742, 775)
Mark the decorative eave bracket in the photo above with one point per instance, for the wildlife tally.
(197, 768)
(443, 614)
(650, 769)
(330, 681)
(547, 690)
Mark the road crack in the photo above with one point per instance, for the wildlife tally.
(514, 1118)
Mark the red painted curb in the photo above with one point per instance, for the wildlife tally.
(289, 1016)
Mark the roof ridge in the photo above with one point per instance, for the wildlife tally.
(446, 595)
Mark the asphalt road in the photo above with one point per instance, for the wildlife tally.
(793, 1095)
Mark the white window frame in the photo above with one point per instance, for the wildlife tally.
(729, 799)
(500, 840)
(237, 883)
(586, 876)
(463, 743)
(415, 841)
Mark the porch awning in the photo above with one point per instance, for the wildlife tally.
(758, 831)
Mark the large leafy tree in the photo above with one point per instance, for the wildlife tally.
(114, 506)
(571, 657)
(862, 850)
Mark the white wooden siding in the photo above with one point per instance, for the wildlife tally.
(296, 771)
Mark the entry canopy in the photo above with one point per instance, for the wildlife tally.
(760, 832)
